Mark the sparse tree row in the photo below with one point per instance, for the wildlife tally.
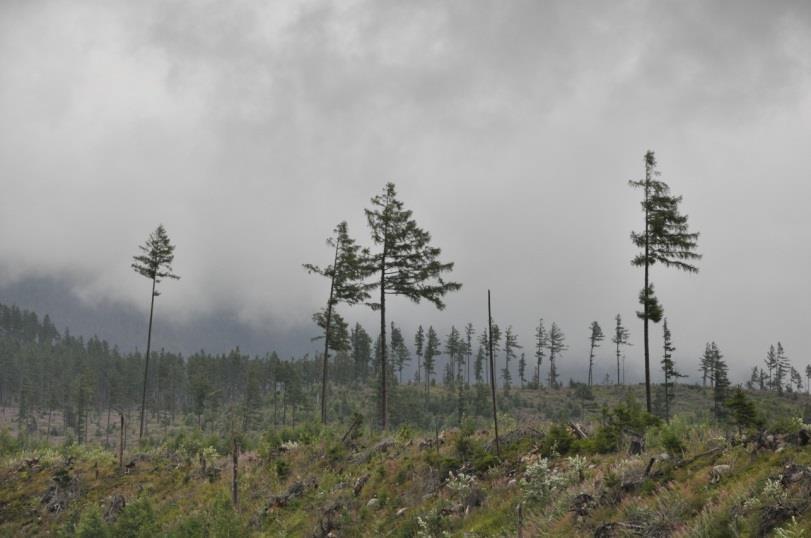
(400, 261)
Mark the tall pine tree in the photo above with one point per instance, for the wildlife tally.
(406, 265)
(347, 273)
(557, 345)
(665, 240)
(541, 343)
(620, 338)
(155, 263)
(595, 337)
(669, 370)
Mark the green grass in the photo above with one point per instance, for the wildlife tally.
(169, 491)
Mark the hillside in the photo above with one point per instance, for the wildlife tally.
(694, 477)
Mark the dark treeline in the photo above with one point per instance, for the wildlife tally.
(66, 379)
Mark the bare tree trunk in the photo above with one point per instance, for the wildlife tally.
(107, 429)
(235, 478)
(383, 392)
(146, 363)
(647, 298)
(121, 440)
(492, 375)
(326, 337)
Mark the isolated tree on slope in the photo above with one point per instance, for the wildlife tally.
(782, 367)
(419, 344)
(706, 365)
(361, 352)
(510, 345)
(454, 349)
(478, 365)
(522, 369)
(665, 240)
(669, 369)
(742, 410)
(720, 381)
(469, 332)
(407, 265)
(595, 337)
(557, 346)
(620, 338)
(796, 379)
(155, 264)
(431, 351)
(346, 274)
(399, 350)
(541, 343)
(771, 364)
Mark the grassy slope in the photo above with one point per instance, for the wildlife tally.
(408, 482)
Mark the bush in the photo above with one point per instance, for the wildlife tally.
(137, 520)
(559, 440)
(540, 480)
(91, 525)
(282, 469)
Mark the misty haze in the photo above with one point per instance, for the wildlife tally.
(405, 268)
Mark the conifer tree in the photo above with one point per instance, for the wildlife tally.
(155, 263)
(361, 352)
(419, 343)
(720, 381)
(541, 343)
(556, 346)
(796, 379)
(742, 410)
(429, 353)
(347, 272)
(522, 370)
(454, 349)
(407, 265)
(665, 240)
(469, 332)
(753, 379)
(782, 368)
(620, 338)
(808, 378)
(595, 337)
(510, 345)
(771, 364)
(400, 351)
(706, 365)
(669, 370)
(478, 365)
(484, 342)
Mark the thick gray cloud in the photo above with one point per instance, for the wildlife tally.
(511, 128)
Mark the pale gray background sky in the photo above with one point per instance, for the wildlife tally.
(250, 128)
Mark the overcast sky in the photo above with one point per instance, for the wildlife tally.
(250, 128)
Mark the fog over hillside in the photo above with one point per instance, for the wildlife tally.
(250, 129)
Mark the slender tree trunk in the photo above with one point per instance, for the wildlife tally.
(645, 306)
(326, 338)
(146, 362)
(107, 429)
(48, 432)
(467, 362)
(591, 362)
(235, 477)
(492, 375)
(121, 440)
(618, 364)
(383, 393)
